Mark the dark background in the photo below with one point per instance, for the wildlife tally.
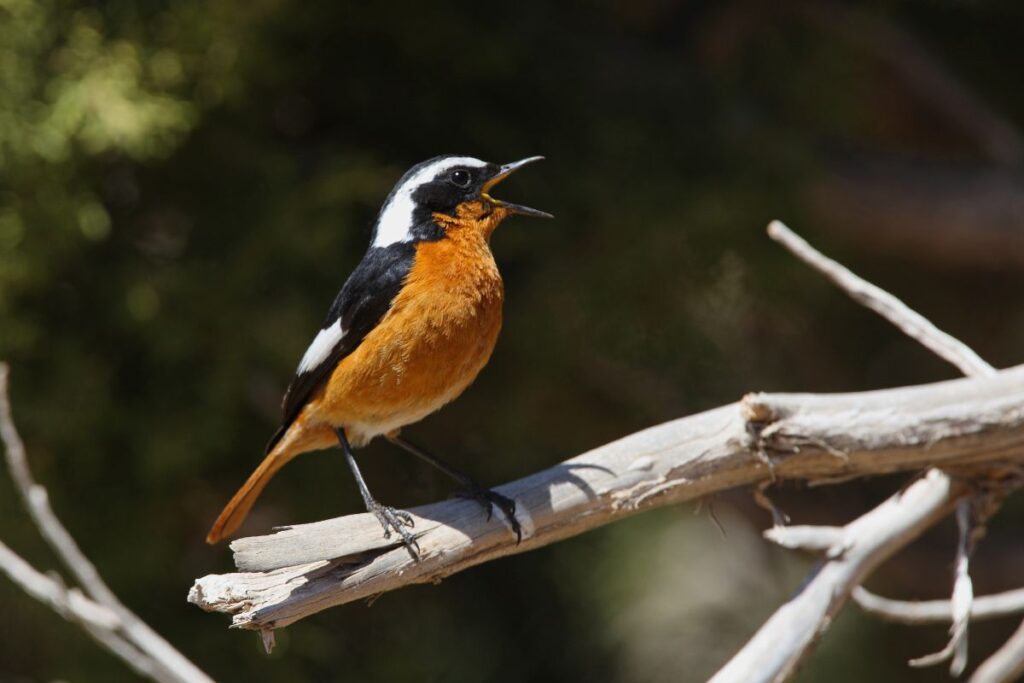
(186, 185)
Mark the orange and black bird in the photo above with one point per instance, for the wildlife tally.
(412, 327)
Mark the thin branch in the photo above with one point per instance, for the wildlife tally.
(827, 540)
(69, 603)
(310, 567)
(778, 647)
(1006, 665)
(937, 611)
(158, 658)
(962, 602)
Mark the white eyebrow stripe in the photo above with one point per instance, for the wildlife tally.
(395, 219)
(320, 349)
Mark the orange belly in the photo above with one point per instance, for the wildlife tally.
(432, 343)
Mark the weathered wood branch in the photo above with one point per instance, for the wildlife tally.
(306, 568)
(853, 551)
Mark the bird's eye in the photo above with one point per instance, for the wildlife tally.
(459, 177)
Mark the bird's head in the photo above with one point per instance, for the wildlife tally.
(447, 191)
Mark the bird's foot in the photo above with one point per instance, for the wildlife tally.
(487, 498)
(398, 520)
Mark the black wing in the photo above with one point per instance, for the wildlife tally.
(359, 306)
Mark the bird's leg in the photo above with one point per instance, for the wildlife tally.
(470, 488)
(389, 517)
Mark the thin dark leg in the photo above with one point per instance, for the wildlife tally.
(389, 517)
(470, 488)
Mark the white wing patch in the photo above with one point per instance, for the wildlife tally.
(395, 219)
(321, 347)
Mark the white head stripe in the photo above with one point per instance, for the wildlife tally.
(396, 217)
(321, 347)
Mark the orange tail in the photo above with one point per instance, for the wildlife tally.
(238, 507)
(298, 440)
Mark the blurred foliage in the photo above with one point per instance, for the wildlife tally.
(82, 88)
(184, 186)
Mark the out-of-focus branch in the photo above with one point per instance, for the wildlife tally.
(776, 650)
(914, 612)
(103, 616)
(957, 215)
(948, 216)
(923, 73)
(68, 602)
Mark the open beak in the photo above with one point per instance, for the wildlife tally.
(504, 172)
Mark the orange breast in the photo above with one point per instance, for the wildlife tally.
(428, 348)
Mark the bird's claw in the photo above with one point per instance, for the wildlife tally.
(400, 521)
(488, 498)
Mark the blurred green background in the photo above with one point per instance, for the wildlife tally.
(185, 185)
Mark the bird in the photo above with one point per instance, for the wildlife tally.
(411, 328)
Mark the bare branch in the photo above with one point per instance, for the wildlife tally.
(311, 567)
(779, 646)
(963, 599)
(69, 603)
(953, 351)
(829, 540)
(1006, 665)
(133, 638)
(938, 611)
(879, 533)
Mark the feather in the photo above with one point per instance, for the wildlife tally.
(359, 306)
